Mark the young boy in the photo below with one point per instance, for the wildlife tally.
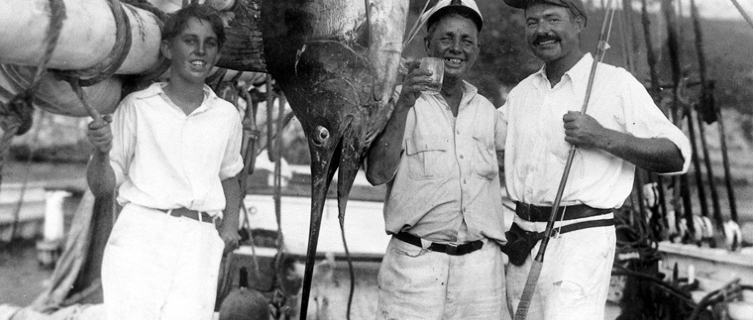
(173, 151)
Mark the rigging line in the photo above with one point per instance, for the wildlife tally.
(416, 26)
(27, 171)
(742, 12)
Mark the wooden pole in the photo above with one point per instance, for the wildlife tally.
(674, 59)
(634, 39)
(650, 53)
(707, 101)
(696, 163)
(725, 155)
(701, 125)
(654, 90)
(709, 169)
(684, 103)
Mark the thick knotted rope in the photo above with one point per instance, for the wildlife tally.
(105, 68)
(16, 115)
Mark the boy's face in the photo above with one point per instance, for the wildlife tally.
(192, 53)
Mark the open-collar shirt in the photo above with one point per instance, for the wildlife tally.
(536, 150)
(165, 159)
(447, 188)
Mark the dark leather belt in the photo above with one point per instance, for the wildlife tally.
(571, 227)
(188, 213)
(534, 213)
(453, 250)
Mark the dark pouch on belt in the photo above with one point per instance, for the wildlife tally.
(519, 244)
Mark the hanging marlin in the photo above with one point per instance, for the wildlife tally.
(336, 62)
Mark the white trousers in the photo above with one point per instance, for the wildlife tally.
(418, 284)
(574, 279)
(157, 266)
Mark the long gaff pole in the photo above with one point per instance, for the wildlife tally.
(533, 274)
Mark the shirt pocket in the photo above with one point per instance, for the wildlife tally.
(485, 158)
(427, 158)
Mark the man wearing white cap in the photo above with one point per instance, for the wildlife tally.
(443, 208)
(622, 129)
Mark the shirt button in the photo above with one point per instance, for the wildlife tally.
(465, 181)
(457, 131)
(461, 156)
(464, 209)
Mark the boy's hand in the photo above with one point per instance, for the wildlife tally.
(100, 134)
(231, 238)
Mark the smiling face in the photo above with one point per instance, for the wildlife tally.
(193, 52)
(455, 39)
(552, 33)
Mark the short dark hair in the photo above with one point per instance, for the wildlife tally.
(178, 21)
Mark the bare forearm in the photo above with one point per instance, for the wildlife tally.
(230, 216)
(384, 154)
(653, 154)
(99, 174)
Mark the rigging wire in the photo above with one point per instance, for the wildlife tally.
(742, 12)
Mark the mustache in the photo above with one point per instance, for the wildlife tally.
(545, 37)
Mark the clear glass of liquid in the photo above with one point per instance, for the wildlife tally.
(436, 66)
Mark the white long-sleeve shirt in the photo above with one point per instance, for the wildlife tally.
(536, 150)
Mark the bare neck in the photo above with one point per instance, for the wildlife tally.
(187, 96)
(555, 69)
(452, 92)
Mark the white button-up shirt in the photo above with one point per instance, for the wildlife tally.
(166, 159)
(448, 174)
(536, 150)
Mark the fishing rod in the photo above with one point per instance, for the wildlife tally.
(538, 262)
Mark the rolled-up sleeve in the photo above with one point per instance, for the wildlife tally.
(645, 120)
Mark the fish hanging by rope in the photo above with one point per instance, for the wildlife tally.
(337, 63)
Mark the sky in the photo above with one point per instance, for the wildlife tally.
(719, 9)
(708, 9)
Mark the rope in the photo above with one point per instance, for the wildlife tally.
(163, 63)
(107, 67)
(416, 26)
(16, 116)
(26, 174)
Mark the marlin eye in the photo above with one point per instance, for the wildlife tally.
(321, 135)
